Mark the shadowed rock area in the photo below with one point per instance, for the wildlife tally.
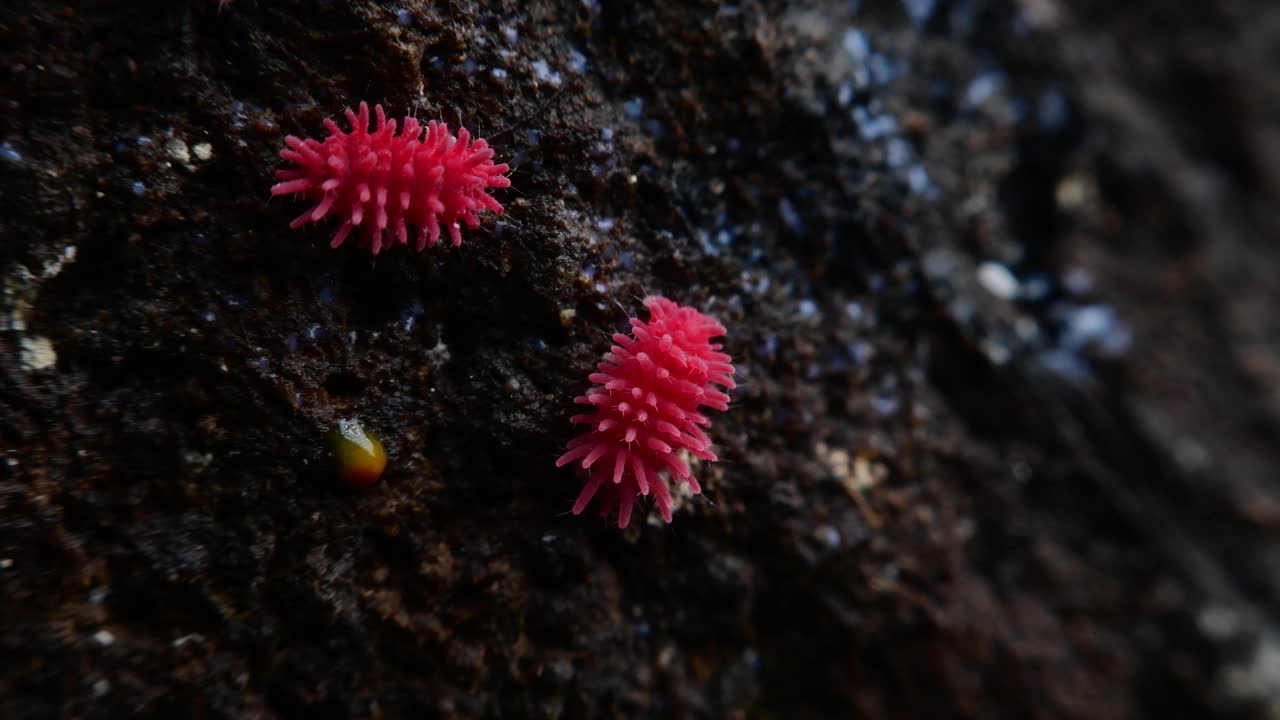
(999, 276)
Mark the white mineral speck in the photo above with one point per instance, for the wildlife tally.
(177, 151)
(544, 72)
(828, 536)
(918, 179)
(982, 88)
(998, 281)
(37, 353)
(1219, 622)
(790, 216)
(1077, 281)
(353, 432)
(920, 10)
(188, 638)
(856, 45)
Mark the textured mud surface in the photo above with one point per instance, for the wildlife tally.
(1000, 278)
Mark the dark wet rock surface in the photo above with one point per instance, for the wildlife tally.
(999, 278)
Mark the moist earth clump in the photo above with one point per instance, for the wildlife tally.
(998, 287)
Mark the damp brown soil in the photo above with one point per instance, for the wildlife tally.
(999, 279)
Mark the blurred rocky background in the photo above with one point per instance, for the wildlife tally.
(1000, 277)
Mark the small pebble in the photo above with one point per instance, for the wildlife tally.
(998, 280)
(177, 151)
(855, 45)
(828, 536)
(634, 108)
(920, 10)
(982, 88)
(544, 72)
(790, 217)
(37, 353)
